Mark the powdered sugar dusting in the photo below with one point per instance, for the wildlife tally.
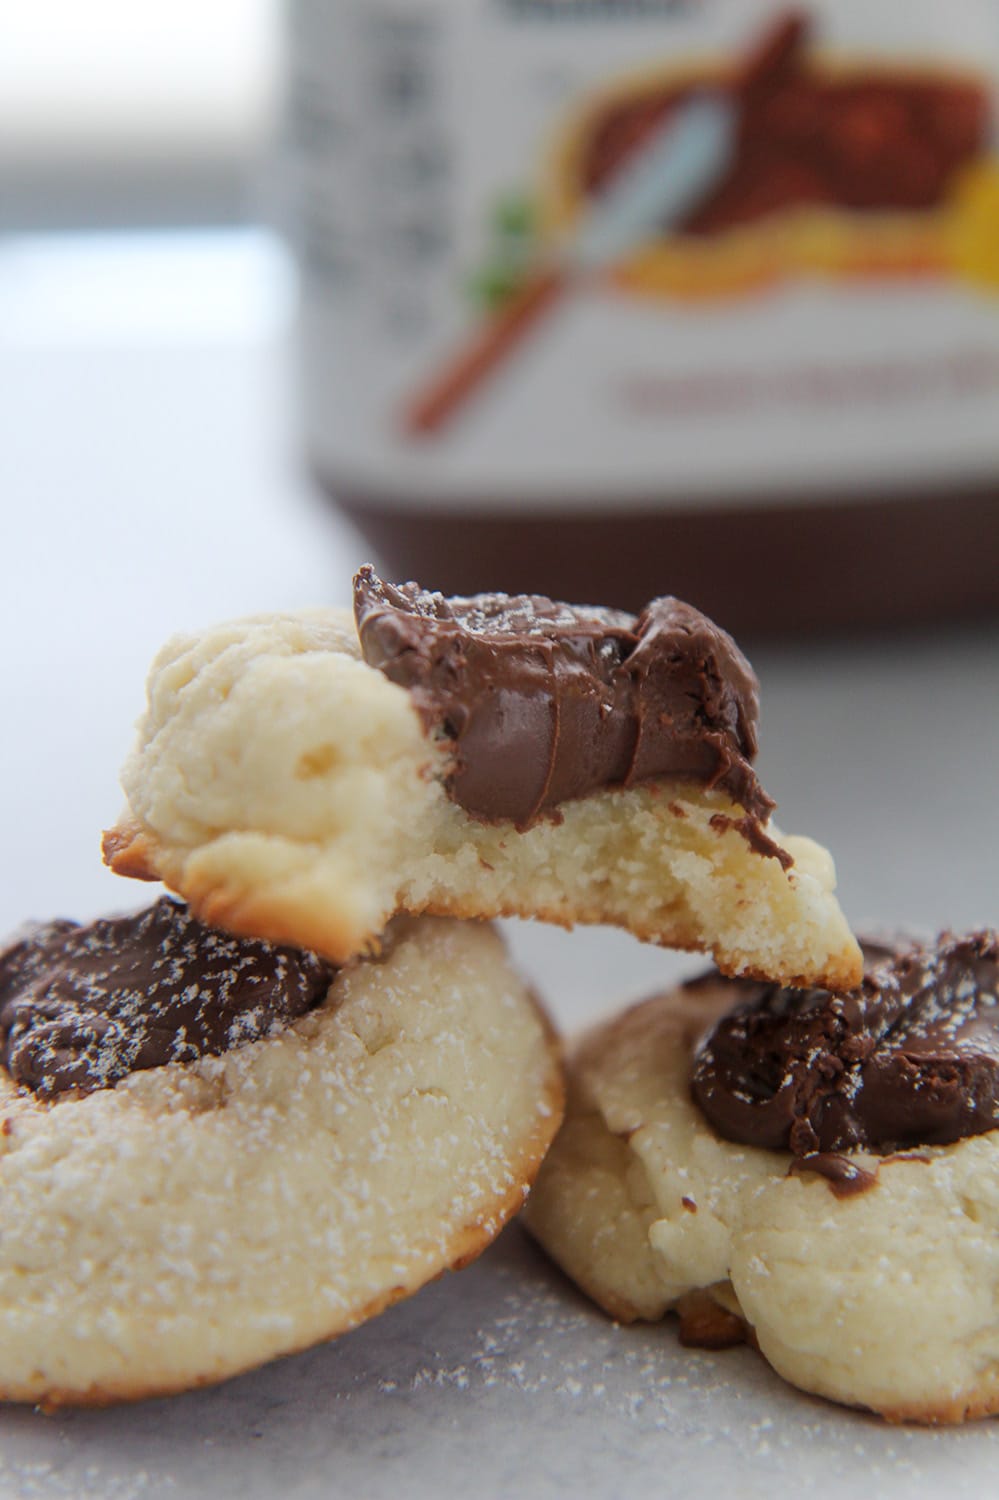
(81, 1007)
(910, 1058)
(244, 1205)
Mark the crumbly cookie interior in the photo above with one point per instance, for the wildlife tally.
(289, 791)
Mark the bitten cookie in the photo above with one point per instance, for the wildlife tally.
(301, 779)
(851, 1229)
(214, 1151)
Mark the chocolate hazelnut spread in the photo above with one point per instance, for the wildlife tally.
(911, 1058)
(82, 1007)
(845, 1176)
(547, 701)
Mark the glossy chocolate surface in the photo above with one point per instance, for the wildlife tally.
(82, 1007)
(546, 702)
(911, 1058)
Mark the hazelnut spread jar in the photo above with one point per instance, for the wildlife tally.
(612, 298)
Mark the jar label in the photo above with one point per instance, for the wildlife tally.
(662, 251)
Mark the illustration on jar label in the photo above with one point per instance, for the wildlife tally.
(701, 181)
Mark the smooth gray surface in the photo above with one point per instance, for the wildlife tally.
(149, 483)
(498, 1382)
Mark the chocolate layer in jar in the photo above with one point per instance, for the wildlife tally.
(833, 564)
(910, 1059)
(81, 1007)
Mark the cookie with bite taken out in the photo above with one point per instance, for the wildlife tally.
(303, 777)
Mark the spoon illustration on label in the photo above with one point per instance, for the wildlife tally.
(656, 186)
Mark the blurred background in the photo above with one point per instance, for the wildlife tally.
(114, 115)
(597, 298)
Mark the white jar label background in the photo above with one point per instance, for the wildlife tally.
(537, 271)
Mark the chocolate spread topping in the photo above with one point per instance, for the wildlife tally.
(81, 1007)
(911, 1058)
(845, 1176)
(546, 701)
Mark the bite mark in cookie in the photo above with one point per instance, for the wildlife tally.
(290, 790)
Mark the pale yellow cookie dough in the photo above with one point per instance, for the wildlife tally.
(200, 1218)
(288, 791)
(887, 1299)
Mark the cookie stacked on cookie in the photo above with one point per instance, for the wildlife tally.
(247, 1120)
(304, 777)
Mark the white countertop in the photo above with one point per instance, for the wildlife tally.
(149, 483)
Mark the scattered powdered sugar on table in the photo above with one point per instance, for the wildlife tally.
(546, 1345)
(497, 1381)
(47, 1480)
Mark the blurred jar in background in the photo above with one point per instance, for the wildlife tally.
(614, 298)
